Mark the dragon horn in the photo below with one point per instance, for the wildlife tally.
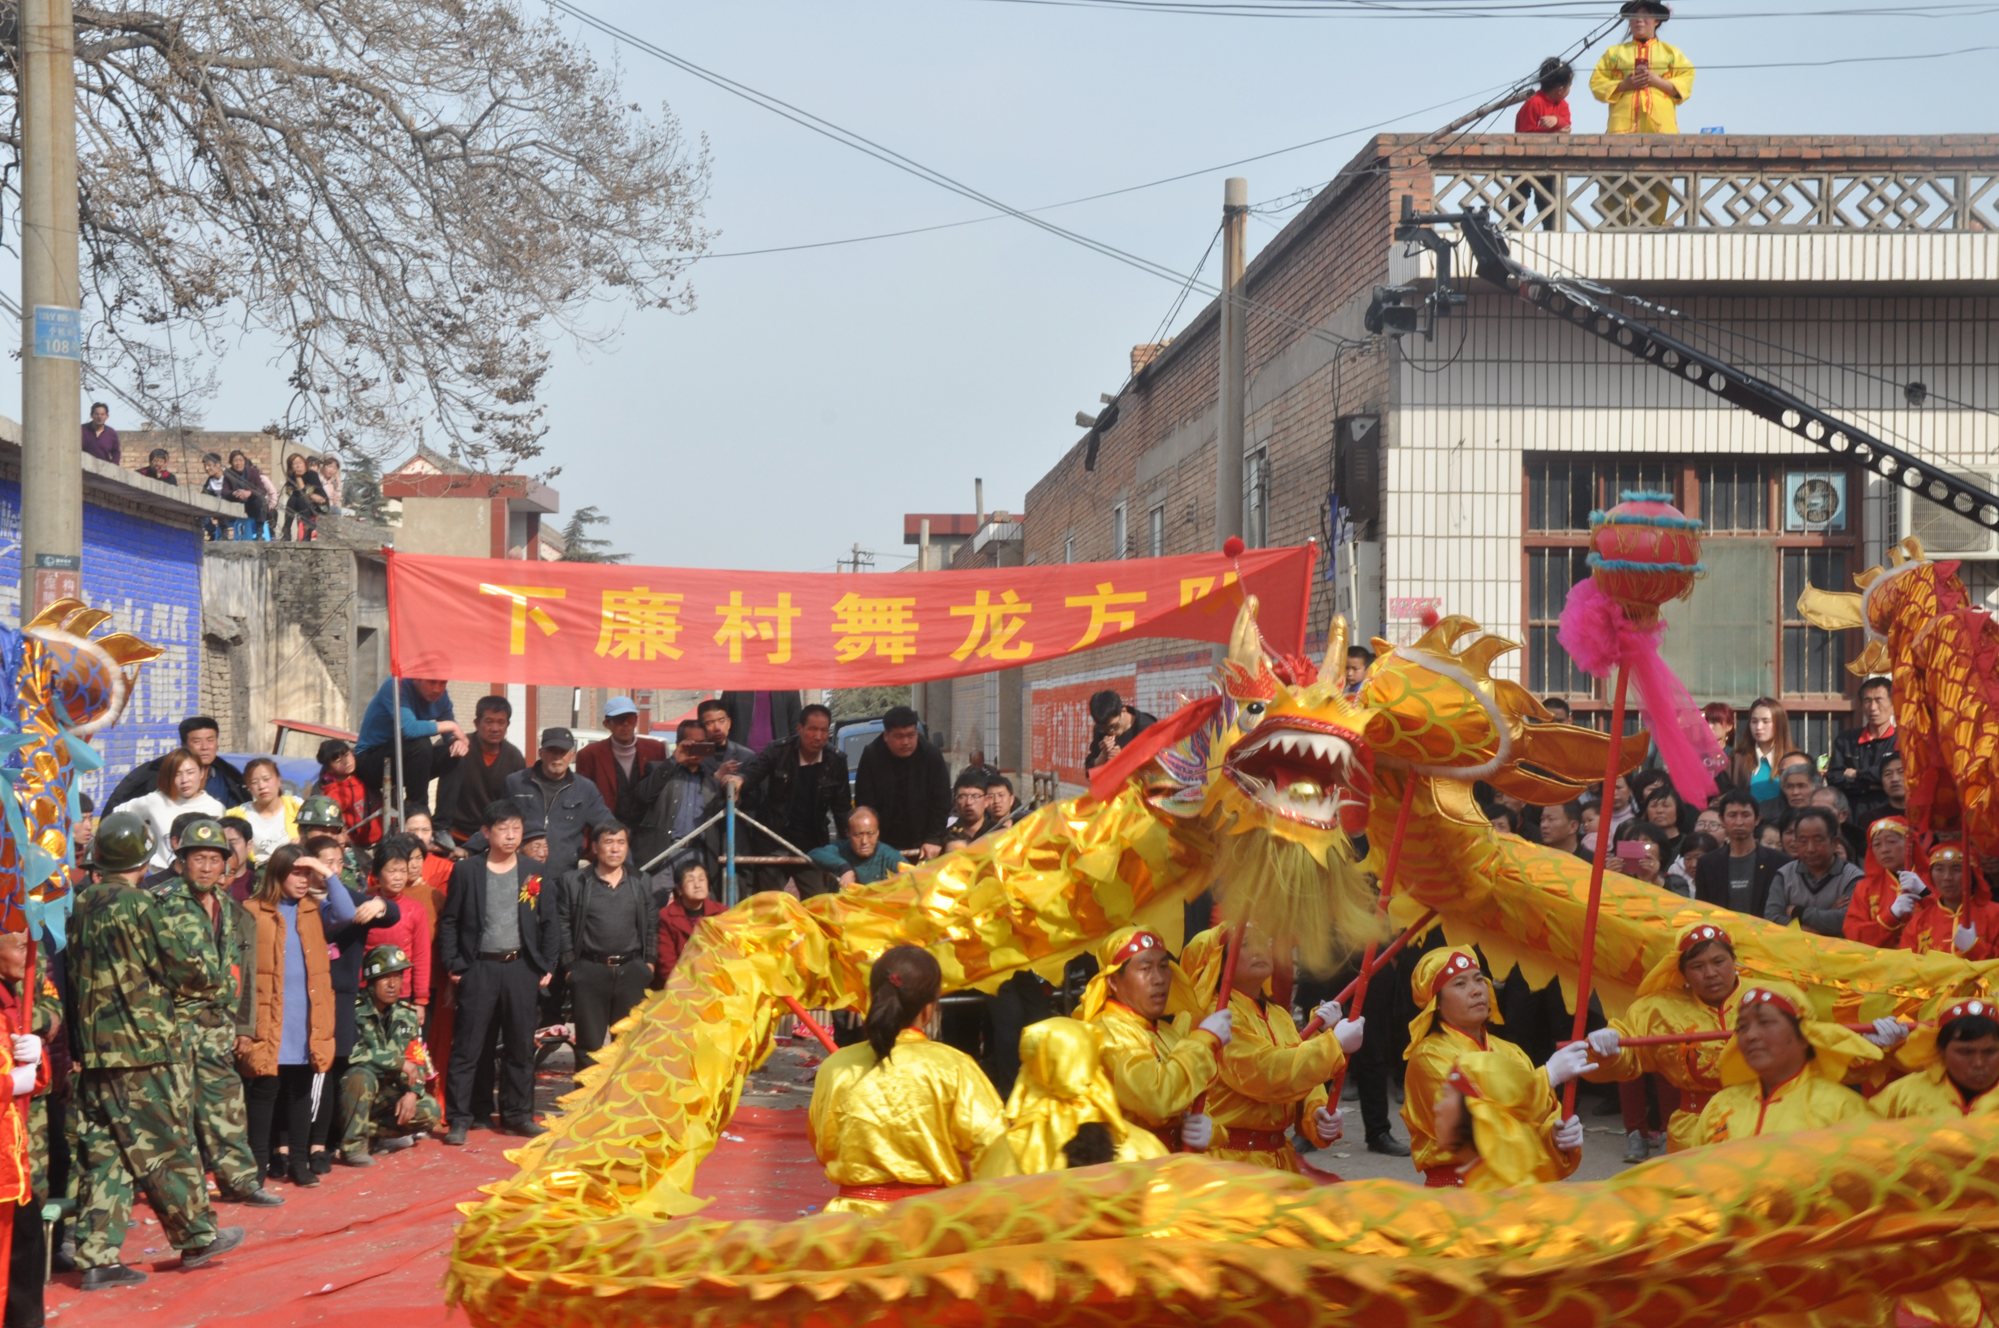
(1333, 668)
(1830, 610)
(1246, 643)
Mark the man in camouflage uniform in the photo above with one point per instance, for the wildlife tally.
(320, 815)
(382, 1094)
(128, 959)
(214, 1019)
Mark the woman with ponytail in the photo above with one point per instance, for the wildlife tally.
(898, 1114)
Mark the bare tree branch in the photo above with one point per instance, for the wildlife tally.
(414, 197)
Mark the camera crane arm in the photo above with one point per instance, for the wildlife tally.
(1740, 388)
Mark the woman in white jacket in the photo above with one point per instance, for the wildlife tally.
(179, 790)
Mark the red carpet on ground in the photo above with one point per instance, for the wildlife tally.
(368, 1246)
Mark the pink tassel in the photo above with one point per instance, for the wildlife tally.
(1599, 636)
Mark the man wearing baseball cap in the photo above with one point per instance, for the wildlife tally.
(617, 763)
(551, 796)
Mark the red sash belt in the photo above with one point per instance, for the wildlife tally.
(888, 1193)
(1260, 1141)
(1443, 1178)
(1694, 1103)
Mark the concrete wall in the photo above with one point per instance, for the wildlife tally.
(292, 631)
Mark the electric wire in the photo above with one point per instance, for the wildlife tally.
(1522, 10)
(908, 165)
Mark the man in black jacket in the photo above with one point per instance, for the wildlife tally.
(219, 779)
(551, 796)
(1740, 878)
(904, 778)
(609, 929)
(1854, 768)
(497, 937)
(799, 788)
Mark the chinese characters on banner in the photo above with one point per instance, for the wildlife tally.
(602, 625)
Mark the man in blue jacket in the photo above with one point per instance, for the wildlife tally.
(431, 738)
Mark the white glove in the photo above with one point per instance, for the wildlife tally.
(1349, 1034)
(1569, 1134)
(1887, 1033)
(1912, 884)
(1570, 1062)
(1328, 1013)
(1197, 1132)
(27, 1049)
(1904, 905)
(1967, 939)
(24, 1080)
(1329, 1125)
(1605, 1042)
(1222, 1024)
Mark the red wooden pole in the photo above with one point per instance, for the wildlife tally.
(1586, 968)
(1380, 962)
(812, 1026)
(1707, 1035)
(1371, 961)
(1222, 997)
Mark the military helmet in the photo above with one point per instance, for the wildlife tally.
(320, 812)
(382, 961)
(204, 833)
(124, 842)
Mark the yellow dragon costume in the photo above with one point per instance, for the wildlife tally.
(1259, 788)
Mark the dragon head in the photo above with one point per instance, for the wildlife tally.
(1278, 747)
(1284, 766)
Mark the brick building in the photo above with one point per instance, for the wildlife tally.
(1862, 273)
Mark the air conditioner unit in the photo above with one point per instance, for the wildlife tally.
(1946, 534)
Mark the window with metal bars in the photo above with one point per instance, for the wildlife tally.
(1715, 646)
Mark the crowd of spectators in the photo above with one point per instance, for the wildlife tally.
(287, 508)
(345, 984)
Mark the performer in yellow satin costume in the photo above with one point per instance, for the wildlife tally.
(1782, 1071)
(1643, 79)
(1456, 1008)
(1271, 1080)
(1953, 1066)
(1953, 1074)
(1690, 991)
(1143, 1004)
(1062, 1087)
(900, 1115)
(1499, 1107)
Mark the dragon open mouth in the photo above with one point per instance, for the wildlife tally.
(1304, 771)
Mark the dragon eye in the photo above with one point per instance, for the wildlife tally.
(1252, 711)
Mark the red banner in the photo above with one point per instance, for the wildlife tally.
(602, 625)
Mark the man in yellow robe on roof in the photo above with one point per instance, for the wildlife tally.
(1644, 80)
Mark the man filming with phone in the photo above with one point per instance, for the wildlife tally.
(673, 798)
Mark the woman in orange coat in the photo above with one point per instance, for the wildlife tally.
(286, 1059)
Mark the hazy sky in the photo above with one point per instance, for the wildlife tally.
(813, 397)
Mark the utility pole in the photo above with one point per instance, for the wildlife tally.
(51, 317)
(1232, 403)
(1235, 323)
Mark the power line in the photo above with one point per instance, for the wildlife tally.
(1107, 193)
(888, 156)
(1477, 9)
